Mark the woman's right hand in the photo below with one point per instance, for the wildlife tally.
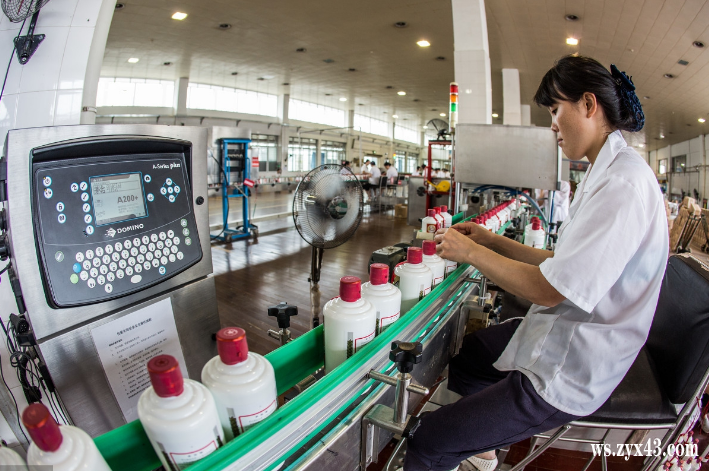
(475, 232)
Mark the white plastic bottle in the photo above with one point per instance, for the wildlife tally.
(9, 457)
(385, 297)
(429, 223)
(438, 217)
(434, 262)
(179, 415)
(243, 383)
(415, 279)
(447, 218)
(64, 448)
(349, 322)
(535, 237)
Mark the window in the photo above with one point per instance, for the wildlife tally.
(332, 152)
(266, 149)
(408, 135)
(312, 113)
(135, 92)
(301, 154)
(411, 162)
(400, 160)
(662, 166)
(370, 125)
(679, 164)
(234, 100)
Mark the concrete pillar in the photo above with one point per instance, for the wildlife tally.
(284, 102)
(472, 62)
(181, 85)
(526, 115)
(512, 113)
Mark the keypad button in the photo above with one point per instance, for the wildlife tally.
(83, 186)
(171, 257)
(135, 279)
(59, 256)
(46, 181)
(143, 249)
(91, 283)
(134, 251)
(110, 277)
(101, 279)
(60, 207)
(76, 267)
(118, 246)
(48, 193)
(162, 236)
(188, 241)
(86, 207)
(151, 198)
(140, 258)
(109, 249)
(151, 247)
(108, 288)
(146, 265)
(103, 269)
(171, 198)
(166, 251)
(154, 237)
(177, 189)
(149, 256)
(162, 270)
(129, 271)
(93, 272)
(120, 274)
(106, 259)
(145, 239)
(89, 230)
(168, 181)
(125, 254)
(156, 263)
(84, 275)
(96, 262)
(89, 254)
(163, 191)
(127, 244)
(163, 260)
(61, 218)
(180, 255)
(170, 191)
(80, 257)
(84, 197)
(136, 242)
(176, 240)
(160, 245)
(174, 249)
(116, 256)
(185, 232)
(87, 218)
(86, 265)
(158, 253)
(168, 243)
(74, 278)
(138, 268)
(147, 178)
(183, 222)
(74, 187)
(131, 261)
(113, 266)
(123, 264)
(99, 251)
(170, 234)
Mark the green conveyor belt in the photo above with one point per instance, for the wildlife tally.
(127, 447)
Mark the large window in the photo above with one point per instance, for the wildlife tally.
(679, 164)
(301, 154)
(370, 125)
(312, 113)
(211, 97)
(662, 166)
(408, 135)
(332, 152)
(266, 149)
(135, 92)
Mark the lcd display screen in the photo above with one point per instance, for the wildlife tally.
(117, 197)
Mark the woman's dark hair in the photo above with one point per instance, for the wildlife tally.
(572, 76)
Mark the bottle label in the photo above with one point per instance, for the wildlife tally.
(451, 268)
(242, 423)
(354, 344)
(181, 460)
(424, 292)
(437, 280)
(385, 322)
(431, 228)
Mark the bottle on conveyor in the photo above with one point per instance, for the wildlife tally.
(179, 415)
(429, 223)
(59, 448)
(385, 297)
(415, 279)
(536, 235)
(349, 323)
(243, 383)
(447, 218)
(434, 262)
(9, 457)
(439, 218)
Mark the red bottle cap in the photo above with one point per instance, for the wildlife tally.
(429, 247)
(414, 255)
(431, 213)
(378, 273)
(350, 288)
(444, 208)
(232, 346)
(437, 209)
(165, 376)
(42, 427)
(536, 224)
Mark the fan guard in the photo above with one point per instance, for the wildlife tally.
(19, 10)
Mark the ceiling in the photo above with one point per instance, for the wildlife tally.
(646, 38)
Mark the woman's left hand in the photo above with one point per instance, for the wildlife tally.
(454, 246)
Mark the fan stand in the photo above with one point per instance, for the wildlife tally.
(315, 266)
(27, 45)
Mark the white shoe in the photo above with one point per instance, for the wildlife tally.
(483, 465)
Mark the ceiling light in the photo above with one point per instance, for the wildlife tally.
(179, 16)
(698, 44)
(443, 114)
(423, 43)
(224, 26)
(662, 136)
(440, 58)
(702, 120)
(425, 127)
(352, 70)
(285, 84)
(133, 60)
(300, 49)
(468, 91)
(571, 17)
(495, 115)
(401, 24)
(646, 97)
(682, 62)
(394, 116)
(235, 73)
(401, 93)
(641, 145)
(669, 76)
(343, 99)
(120, 6)
(572, 41)
(328, 61)
(167, 63)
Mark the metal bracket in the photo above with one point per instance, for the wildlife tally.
(26, 46)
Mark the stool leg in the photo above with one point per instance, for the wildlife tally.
(532, 445)
(529, 458)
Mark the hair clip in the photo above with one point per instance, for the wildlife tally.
(622, 79)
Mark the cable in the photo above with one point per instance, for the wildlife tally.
(14, 48)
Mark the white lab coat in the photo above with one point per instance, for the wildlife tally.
(376, 175)
(392, 175)
(609, 263)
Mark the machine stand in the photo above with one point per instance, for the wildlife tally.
(282, 312)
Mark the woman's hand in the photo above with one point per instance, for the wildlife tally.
(454, 246)
(474, 232)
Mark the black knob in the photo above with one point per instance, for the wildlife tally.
(283, 312)
(4, 247)
(406, 355)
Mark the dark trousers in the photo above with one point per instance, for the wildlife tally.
(497, 408)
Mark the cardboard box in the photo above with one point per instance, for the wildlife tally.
(401, 211)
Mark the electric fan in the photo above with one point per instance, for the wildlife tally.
(327, 210)
(438, 128)
(20, 10)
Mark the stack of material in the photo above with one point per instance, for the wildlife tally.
(689, 208)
